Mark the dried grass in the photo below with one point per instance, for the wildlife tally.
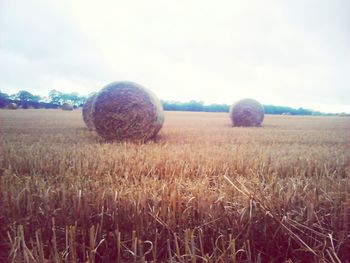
(247, 113)
(127, 111)
(203, 193)
(87, 112)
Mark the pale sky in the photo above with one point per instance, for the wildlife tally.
(293, 53)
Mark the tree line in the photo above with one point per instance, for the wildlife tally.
(24, 99)
(55, 99)
(200, 106)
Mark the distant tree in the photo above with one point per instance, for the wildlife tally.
(23, 96)
(216, 108)
(55, 96)
(75, 99)
(26, 96)
(199, 106)
(183, 106)
(25, 99)
(302, 111)
(193, 105)
(58, 97)
(4, 98)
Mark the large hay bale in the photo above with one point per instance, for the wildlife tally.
(67, 106)
(127, 111)
(87, 112)
(247, 113)
(12, 106)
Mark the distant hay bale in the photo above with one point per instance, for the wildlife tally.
(67, 106)
(247, 113)
(12, 106)
(127, 111)
(87, 112)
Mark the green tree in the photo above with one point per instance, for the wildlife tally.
(4, 98)
(73, 98)
(55, 96)
(26, 96)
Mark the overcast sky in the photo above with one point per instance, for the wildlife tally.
(294, 53)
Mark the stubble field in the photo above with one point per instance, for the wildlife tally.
(201, 192)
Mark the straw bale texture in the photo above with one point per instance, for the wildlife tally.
(87, 112)
(12, 106)
(67, 106)
(247, 113)
(127, 111)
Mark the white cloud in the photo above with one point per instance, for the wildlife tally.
(291, 53)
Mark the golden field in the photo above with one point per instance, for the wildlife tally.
(203, 191)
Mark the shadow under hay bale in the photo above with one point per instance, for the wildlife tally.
(247, 113)
(127, 111)
(87, 112)
(67, 106)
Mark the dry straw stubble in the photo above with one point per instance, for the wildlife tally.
(75, 199)
(127, 111)
(87, 112)
(247, 113)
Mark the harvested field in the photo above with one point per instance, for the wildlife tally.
(203, 191)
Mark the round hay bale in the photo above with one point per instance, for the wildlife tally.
(87, 112)
(127, 111)
(247, 113)
(12, 106)
(67, 106)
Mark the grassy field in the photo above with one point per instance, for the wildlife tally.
(201, 192)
